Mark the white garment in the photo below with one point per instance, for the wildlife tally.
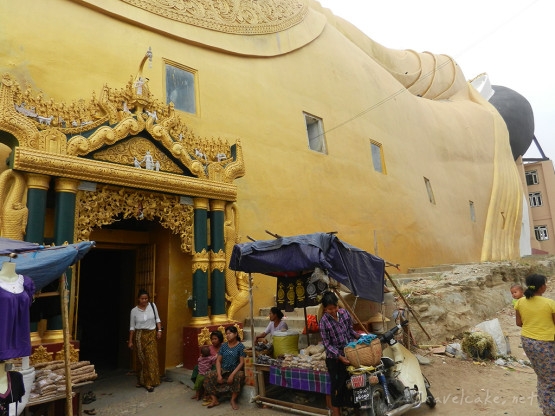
(270, 329)
(143, 319)
(15, 286)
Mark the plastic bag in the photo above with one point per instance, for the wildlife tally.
(493, 327)
(311, 324)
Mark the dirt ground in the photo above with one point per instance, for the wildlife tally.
(467, 387)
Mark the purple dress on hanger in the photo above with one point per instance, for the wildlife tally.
(15, 325)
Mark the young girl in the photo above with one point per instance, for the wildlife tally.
(229, 375)
(536, 315)
(205, 363)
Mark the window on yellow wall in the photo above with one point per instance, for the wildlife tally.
(377, 156)
(472, 211)
(180, 87)
(430, 191)
(315, 133)
(541, 232)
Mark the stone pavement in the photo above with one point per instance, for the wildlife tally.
(116, 394)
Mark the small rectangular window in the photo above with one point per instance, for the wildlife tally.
(541, 232)
(180, 87)
(535, 199)
(430, 191)
(315, 132)
(532, 177)
(472, 211)
(377, 156)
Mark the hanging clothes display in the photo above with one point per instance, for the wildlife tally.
(298, 292)
(15, 303)
(13, 394)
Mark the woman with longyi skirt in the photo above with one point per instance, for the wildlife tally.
(145, 330)
(535, 314)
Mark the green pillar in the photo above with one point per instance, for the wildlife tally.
(217, 261)
(64, 219)
(200, 263)
(64, 215)
(36, 203)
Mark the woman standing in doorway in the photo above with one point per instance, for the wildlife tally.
(535, 314)
(144, 330)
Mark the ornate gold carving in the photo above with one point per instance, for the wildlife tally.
(216, 205)
(217, 261)
(201, 203)
(41, 355)
(11, 120)
(37, 181)
(200, 261)
(73, 354)
(13, 211)
(125, 153)
(66, 185)
(204, 336)
(230, 16)
(95, 171)
(79, 129)
(107, 205)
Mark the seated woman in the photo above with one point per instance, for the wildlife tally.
(229, 375)
(276, 324)
(216, 341)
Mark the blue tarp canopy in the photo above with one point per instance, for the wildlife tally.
(361, 272)
(42, 264)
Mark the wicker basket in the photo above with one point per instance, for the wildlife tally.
(365, 354)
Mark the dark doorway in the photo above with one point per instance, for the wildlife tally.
(105, 300)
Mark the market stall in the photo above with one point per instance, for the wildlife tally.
(39, 266)
(308, 257)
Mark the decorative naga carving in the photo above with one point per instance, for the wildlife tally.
(236, 283)
(107, 205)
(13, 212)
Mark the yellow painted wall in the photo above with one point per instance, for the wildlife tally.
(459, 143)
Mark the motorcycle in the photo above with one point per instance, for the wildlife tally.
(394, 386)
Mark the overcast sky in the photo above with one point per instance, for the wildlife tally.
(510, 40)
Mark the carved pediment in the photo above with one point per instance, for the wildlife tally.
(128, 120)
(134, 151)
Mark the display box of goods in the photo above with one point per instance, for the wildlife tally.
(364, 354)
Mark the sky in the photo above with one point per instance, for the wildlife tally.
(510, 40)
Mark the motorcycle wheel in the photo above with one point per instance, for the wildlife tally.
(430, 399)
(377, 402)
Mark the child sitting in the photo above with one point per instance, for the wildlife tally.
(205, 363)
(517, 292)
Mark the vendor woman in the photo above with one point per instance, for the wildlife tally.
(276, 324)
(336, 329)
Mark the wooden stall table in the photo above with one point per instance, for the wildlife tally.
(55, 404)
(300, 379)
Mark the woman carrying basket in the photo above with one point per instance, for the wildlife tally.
(336, 329)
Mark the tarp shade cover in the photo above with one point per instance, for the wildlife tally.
(361, 272)
(42, 264)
